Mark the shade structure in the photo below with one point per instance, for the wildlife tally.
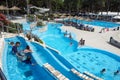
(116, 17)
(15, 8)
(41, 10)
(3, 7)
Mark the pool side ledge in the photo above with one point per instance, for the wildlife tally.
(1, 50)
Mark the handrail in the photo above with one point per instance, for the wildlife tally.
(2, 76)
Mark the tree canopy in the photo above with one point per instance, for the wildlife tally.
(68, 5)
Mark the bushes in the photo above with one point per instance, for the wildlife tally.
(40, 24)
(38, 40)
(13, 27)
(28, 35)
(30, 18)
(3, 19)
(51, 16)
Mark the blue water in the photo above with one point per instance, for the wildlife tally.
(91, 60)
(15, 69)
(97, 23)
(83, 59)
(94, 60)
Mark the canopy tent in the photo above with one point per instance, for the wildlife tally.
(116, 17)
(15, 8)
(109, 13)
(41, 10)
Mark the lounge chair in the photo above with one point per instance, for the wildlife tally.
(92, 76)
(83, 76)
(54, 72)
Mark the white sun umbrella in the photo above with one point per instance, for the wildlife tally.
(116, 17)
(3, 7)
(15, 8)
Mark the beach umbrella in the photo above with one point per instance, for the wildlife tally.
(3, 7)
(15, 8)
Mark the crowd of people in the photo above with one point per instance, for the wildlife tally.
(66, 34)
(22, 55)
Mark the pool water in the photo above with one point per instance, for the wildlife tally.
(15, 69)
(21, 71)
(97, 23)
(91, 60)
(64, 43)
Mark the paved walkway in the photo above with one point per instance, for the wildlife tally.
(96, 39)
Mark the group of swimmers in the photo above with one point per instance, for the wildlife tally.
(81, 42)
(66, 34)
(23, 55)
(104, 70)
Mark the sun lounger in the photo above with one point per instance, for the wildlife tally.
(92, 76)
(54, 72)
(83, 76)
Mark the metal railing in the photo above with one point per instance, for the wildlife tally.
(18, 29)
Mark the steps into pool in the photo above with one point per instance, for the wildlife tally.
(54, 72)
(83, 76)
(92, 76)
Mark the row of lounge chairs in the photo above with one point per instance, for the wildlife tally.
(58, 75)
(78, 26)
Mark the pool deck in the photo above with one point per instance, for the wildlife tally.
(96, 39)
(4, 35)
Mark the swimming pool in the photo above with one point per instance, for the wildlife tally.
(15, 69)
(97, 23)
(94, 60)
(83, 59)
(12, 68)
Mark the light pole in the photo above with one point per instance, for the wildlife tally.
(7, 9)
(27, 7)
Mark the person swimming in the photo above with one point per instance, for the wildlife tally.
(66, 33)
(12, 43)
(27, 54)
(103, 70)
(15, 47)
(116, 72)
(70, 36)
